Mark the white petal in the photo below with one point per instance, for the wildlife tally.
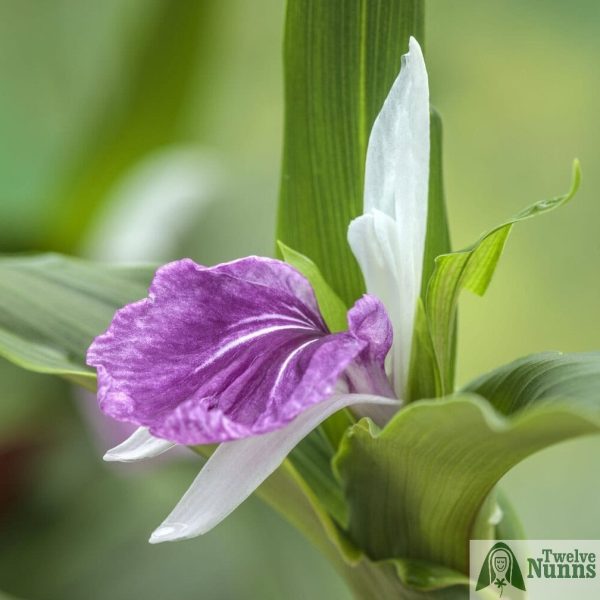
(389, 276)
(397, 167)
(237, 468)
(389, 247)
(139, 445)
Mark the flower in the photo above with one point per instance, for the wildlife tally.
(233, 352)
(238, 354)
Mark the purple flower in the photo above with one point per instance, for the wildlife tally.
(239, 354)
(234, 352)
(228, 352)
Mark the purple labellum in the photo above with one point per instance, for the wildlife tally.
(233, 351)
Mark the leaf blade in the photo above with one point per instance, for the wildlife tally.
(52, 306)
(429, 472)
(473, 269)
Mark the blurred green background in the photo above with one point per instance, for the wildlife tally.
(152, 129)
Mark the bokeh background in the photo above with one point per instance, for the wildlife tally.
(152, 129)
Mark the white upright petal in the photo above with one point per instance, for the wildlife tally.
(139, 445)
(389, 239)
(397, 166)
(237, 468)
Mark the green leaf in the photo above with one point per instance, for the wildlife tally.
(52, 306)
(437, 240)
(546, 378)
(143, 114)
(341, 57)
(415, 489)
(470, 269)
(330, 305)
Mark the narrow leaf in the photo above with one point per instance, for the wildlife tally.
(472, 269)
(438, 233)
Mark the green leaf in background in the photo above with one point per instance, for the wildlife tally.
(428, 473)
(51, 307)
(341, 58)
(144, 114)
(470, 269)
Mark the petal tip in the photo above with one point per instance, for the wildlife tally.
(169, 533)
(413, 44)
(414, 55)
(111, 456)
(141, 444)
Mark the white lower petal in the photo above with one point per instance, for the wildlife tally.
(389, 276)
(237, 468)
(139, 445)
